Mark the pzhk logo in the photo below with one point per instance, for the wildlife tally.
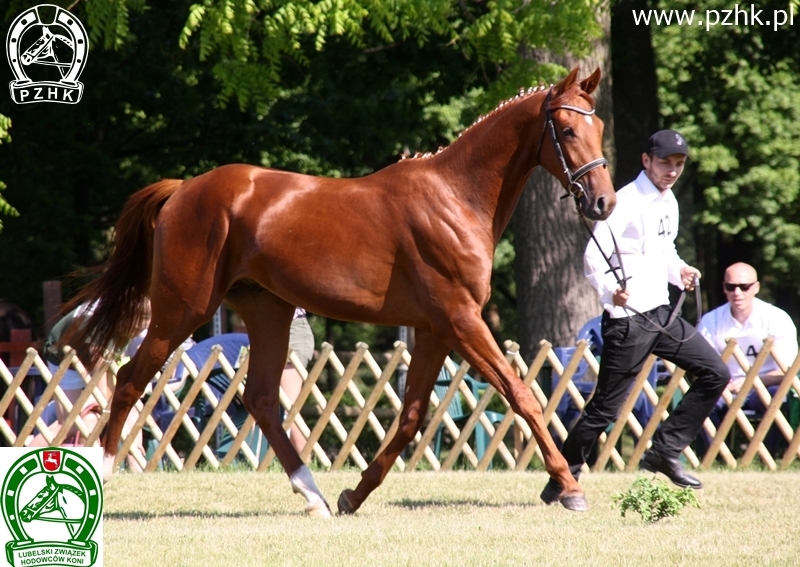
(35, 46)
(52, 503)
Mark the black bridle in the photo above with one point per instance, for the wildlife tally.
(575, 189)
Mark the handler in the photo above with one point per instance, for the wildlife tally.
(636, 319)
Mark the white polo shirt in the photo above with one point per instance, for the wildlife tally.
(766, 320)
(645, 225)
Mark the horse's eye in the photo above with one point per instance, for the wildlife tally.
(569, 132)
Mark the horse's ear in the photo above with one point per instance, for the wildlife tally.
(589, 84)
(567, 82)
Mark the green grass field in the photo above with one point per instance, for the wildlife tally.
(242, 519)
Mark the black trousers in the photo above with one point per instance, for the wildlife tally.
(627, 342)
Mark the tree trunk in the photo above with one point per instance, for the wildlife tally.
(554, 297)
(635, 88)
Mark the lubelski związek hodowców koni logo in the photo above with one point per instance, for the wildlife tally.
(47, 49)
(52, 504)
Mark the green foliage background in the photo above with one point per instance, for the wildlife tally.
(734, 91)
(335, 88)
(344, 87)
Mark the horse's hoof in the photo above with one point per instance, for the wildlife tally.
(319, 510)
(346, 505)
(551, 492)
(574, 502)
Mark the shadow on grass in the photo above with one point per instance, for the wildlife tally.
(133, 516)
(463, 503)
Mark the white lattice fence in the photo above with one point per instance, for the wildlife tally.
(363, 407)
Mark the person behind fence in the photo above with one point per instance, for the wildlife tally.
(301, 341)
(637, 319)
(73, 384)
(750, 321)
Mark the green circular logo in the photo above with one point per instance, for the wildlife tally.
(52, 503)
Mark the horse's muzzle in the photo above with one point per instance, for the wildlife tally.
(598, 208)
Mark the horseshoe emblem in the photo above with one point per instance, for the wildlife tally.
(61, 43)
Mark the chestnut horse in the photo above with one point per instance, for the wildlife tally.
(411, 244)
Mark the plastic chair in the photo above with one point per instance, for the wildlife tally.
(457, 412)
(592, 333)
(567, 410)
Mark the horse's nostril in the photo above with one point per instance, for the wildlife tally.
(601, 204)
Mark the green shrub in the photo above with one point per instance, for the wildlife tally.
(654, 500)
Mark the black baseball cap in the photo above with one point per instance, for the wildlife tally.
(666, 143)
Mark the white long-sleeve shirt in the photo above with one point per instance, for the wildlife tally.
(645, 225)
(766, 320)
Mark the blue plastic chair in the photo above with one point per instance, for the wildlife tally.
(567, 411)
(459, 415)
(592, 333)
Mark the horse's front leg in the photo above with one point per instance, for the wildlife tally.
(429, 355)
(471, 338)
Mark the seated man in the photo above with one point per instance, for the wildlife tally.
(750, 321)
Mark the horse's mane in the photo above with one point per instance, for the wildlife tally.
(523, 94)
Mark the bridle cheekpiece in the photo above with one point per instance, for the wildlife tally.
(574, 187)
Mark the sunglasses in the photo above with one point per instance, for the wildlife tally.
(731, 287)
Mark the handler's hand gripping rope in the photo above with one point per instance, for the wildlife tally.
(622, 282)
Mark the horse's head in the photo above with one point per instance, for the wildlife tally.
(571, 145)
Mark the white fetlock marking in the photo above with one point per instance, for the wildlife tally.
(303, 483)
(319, 510)
(108, 467)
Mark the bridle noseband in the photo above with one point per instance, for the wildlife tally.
(574, 187)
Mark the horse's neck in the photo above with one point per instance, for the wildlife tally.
(499, 152)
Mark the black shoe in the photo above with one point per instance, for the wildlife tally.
(552, 490)
(671, 467)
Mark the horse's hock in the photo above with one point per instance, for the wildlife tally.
(470, 425)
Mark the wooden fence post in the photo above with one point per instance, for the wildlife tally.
(21, 340)
(51, 292)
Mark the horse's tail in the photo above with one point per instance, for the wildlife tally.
(115, 299)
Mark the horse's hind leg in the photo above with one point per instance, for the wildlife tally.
(171, 323)
(268, 318)
(429, 354)
(471, 337)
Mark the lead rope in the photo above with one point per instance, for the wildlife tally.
(622, 282)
